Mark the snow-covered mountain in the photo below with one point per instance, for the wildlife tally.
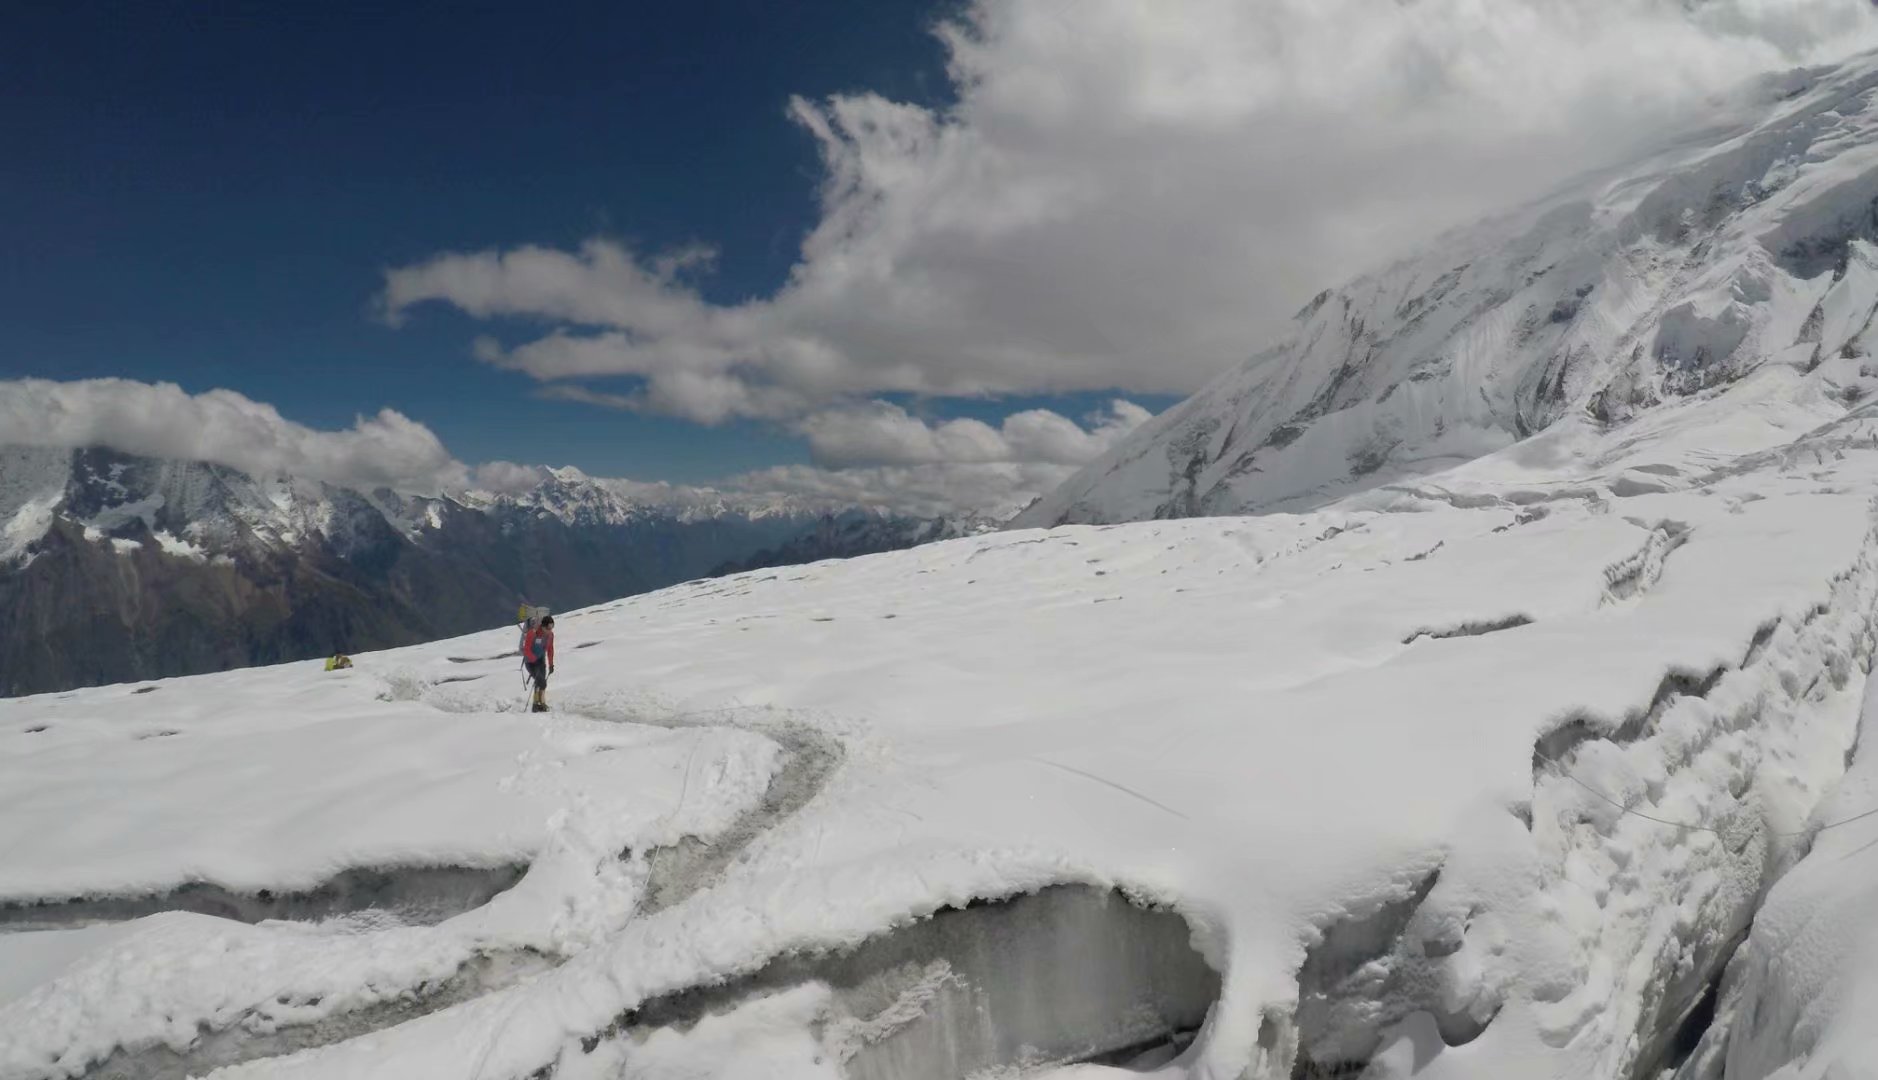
(116, 567)
(1752, 243)
(578, 499)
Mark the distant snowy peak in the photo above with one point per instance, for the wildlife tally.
(215, 509)
(191, 507)
(575, 498)
(1746, 245)
(565, 494)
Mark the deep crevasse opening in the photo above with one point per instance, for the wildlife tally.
(1621, 946)
(1070, 973)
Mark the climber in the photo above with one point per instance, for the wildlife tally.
(338, 662)
(538, 658)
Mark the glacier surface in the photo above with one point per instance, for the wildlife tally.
(1374, 760)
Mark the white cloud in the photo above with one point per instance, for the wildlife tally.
(598, 286)
(877, 454)
(880, 433)
(391, 450)
(1041, 435)
(506, 477)
(221, 426)
(1128, 196)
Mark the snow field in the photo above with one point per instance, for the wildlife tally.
(1369, 755)
(1263, 723)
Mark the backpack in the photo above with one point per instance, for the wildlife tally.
(531, 618)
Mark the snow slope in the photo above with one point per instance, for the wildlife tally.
(1370, 755)
(1747, 244)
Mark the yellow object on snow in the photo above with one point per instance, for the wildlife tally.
(338, 661)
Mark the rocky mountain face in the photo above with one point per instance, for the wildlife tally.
(1745, 245)
(115, 567)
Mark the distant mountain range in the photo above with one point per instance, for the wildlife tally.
(115, 567)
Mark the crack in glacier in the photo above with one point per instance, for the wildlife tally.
(1699, 745)
(674, 872)
(426, 896)
(1372, 970)
(1469, 629)
(259, 1034)
(1071, 973)
(1636, 574)
(414, 895)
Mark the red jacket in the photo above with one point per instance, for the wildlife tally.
(537, 644)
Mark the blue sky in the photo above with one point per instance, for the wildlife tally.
(209, 195)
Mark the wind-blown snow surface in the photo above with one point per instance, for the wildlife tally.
(1370, 754)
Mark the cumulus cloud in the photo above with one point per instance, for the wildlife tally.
(1125, 196)
(881, 433)
(877, 454)
(391, 450)
(600, 285)
(506, 477)
(224, 427)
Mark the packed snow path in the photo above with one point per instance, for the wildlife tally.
(416, 895)
(1367, 757)
(809, 759)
